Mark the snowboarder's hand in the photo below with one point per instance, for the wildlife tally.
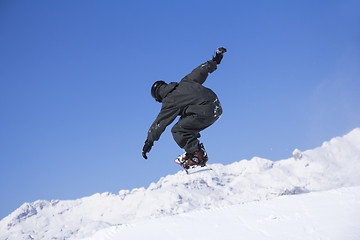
(147, 147)
(220, 50)
(219, 54)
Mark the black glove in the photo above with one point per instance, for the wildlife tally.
(219, 54)
(147, 147)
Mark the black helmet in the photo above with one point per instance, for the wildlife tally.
(155, 90)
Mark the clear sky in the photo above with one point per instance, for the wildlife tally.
(75, 79)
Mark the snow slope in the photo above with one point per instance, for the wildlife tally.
(331, 215)
(334, 165)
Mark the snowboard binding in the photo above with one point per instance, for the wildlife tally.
(194, 162)
(198, 157)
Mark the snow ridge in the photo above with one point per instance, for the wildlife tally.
(333, 165)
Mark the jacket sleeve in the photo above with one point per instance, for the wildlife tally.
(166, 116)
(200, 73)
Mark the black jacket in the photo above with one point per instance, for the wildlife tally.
(187, 97)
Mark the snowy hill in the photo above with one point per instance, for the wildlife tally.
(336, 164)
(330, 215)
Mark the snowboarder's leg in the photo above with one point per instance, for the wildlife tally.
(187, 131)
(195, 119)
(186, 134)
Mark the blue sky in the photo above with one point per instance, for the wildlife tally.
(75, 80)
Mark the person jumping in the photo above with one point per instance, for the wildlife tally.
(197, 106)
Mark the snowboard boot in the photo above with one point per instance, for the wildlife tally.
(198, 157)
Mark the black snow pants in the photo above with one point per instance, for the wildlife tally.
(187, 130)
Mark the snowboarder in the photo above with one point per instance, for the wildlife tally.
(197, 106)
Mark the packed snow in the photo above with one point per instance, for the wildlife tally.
(332, 214)
(247, 197)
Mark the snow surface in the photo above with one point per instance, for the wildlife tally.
(334, 214)
(236, 188)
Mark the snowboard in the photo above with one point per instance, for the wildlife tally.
(191, 169)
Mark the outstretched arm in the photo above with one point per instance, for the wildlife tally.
(200, 73)
(165, 117)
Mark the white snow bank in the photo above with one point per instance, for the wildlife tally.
(330, 215)
(333, 165)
